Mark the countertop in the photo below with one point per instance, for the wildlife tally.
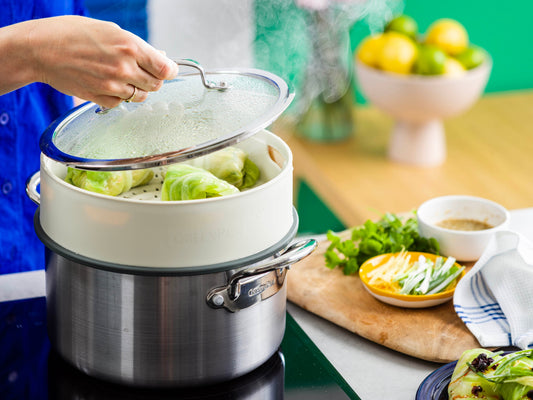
(490, 150)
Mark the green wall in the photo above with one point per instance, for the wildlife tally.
(504, 29)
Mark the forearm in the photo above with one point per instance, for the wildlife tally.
(91, 59)
(16, 67)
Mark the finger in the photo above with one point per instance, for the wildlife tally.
(106, 101)
(143, 80)
(137, 96)
(157, 64)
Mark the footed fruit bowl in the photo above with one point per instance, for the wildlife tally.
(418, 104)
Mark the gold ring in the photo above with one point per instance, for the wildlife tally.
(132, 95)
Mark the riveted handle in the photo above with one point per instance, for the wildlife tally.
(261, 282)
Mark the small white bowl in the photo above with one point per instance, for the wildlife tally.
(461, 244)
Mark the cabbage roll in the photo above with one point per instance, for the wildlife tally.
(186, 182)
(469, 383)
(230, 164)
(111, 183)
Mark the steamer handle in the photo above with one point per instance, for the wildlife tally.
(31, 188)
(252, 286)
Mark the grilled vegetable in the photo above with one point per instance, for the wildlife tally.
(468, 380)
(481, 374)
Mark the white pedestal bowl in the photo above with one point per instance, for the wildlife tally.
(418, 105)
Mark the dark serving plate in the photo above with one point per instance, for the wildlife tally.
(435, 386)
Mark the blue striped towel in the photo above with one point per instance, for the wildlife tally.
(495, 298)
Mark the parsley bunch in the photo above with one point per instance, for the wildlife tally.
(388, 235)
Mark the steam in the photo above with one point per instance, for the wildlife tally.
(306, 42)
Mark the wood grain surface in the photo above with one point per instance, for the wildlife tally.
(489, 155)
(434, 334)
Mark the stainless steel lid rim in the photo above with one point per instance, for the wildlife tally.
(49, 148)
(165, 271)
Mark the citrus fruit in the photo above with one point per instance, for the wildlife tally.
(449, 35)
(453, 68)
(403, 24)
(430, 61)
(369, 50)
(398, 53)
(472, 57)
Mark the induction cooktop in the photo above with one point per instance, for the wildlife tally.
(31, 370)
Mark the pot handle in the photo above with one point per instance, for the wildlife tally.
(257, 284)
(31, 188)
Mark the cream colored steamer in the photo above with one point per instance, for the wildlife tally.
(139, 229)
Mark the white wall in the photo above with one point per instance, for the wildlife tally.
(216, 33)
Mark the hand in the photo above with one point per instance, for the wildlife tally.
(92, 59)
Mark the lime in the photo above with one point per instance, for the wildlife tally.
(431, 61)
(453, 68)
(449, 35)
(472, 57)
(403, 24)
(369, 50)
(398, 53)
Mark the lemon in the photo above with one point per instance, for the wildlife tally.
(431, 61)
(403, 24)
(472, 57)
(449, 35)
(453, 68)
(369, 50)
(398, 53)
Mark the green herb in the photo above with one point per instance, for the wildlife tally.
(388, 235)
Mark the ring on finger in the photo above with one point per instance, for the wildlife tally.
(132, 97)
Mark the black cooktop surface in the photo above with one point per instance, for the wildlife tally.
(30, 370)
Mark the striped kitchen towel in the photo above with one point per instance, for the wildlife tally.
(495, 298)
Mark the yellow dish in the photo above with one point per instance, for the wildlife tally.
(403, 300)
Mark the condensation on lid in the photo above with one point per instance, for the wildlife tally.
(182, 115)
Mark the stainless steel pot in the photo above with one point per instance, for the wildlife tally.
(168, 327)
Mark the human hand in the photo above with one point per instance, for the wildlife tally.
(95, 60)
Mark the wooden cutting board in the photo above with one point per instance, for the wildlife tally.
(434, 334)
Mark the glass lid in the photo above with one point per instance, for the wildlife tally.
(190, 116)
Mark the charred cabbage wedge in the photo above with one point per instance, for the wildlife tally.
(482, 374)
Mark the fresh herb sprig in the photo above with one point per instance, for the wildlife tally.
(388, 235)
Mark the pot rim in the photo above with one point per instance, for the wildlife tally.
(287, 166)
(165, 271)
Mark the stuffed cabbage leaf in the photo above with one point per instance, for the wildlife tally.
(186, 182)
(111, 183)
(230, 164)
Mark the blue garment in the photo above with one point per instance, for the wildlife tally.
(24, 115)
